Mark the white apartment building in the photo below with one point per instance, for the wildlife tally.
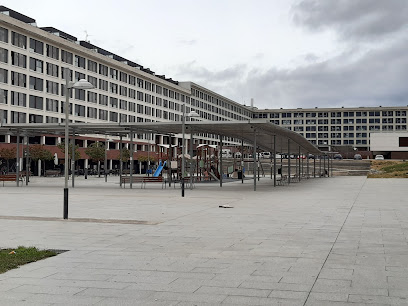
(33, 63)
(337, 127)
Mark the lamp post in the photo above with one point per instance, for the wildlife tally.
(183, 147)
(81, 84)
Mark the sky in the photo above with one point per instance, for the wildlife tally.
(281, 53)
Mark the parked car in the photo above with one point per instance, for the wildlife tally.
(311, 156)
(337, 156)
(266, 155)
(379, 157)
(357, 157)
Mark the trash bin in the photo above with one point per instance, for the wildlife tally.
(240, 175)
(279, 170)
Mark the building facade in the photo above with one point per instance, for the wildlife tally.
(35, 62)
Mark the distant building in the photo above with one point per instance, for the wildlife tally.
(33, 64)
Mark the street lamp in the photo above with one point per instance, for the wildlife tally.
(183, 147)
(81, 84)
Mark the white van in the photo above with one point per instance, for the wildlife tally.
(266, 155)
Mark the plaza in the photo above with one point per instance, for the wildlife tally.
(323, 241)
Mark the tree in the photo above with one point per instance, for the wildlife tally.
(39, 152)
(96, 152)
(125, 155)
(145, 158)
(61, 146)
(8, 154)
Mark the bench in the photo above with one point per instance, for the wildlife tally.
(282, 180)
(52, 172)
(10, 178)
(143, 180)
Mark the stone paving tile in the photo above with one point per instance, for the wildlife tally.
(258, 301)
(133, 302)
(233, 291)
(116, 293)
(195, 298)
(47, 289)
(261, 245)
(333, 297)
(383, 300)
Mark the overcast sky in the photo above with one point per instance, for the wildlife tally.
(282, 53)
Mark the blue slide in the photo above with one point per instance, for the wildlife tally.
(159, 169)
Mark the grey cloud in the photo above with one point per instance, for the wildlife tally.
(373, 79)
(353, 19)
(378, 78)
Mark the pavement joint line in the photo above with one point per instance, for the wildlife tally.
(331, 249)
(90, 220)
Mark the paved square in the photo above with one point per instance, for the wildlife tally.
(332, 241)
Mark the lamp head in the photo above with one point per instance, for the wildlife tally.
(83, 84)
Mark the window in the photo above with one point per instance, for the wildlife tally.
(36, 83)
(36, 102)
(36, 65)
(49, 119)
(104, 85)
(36, 46)
(52, 87)
(113, 116)
(51, 105)
(114, 74)
(3, 97)
(35, 118)
(65, 72)
(123, 118)
(400, 113)
(52, 52)
(140, 96)
(52, 70)
(3, 55)
(79, 76)
(18, 79)
(103, 100)
(18, 99)
(80, 110)
(17, 117)
(79, 61)
(139, 83)
(3, 35)
(63, 108)
(80, 94)
(123, 105)
(66, 57)
(132, 80)
(103, 114)
(114, 88)
(18, 59)
(123, 77)
(132, 93)
(132, 107)
(93, 81)
(113, 102)
(375, 114)
(123, 91)
(92, 112)
(3, 75)
(103, 70)
(92, 66)
(92, 97)
(159, 90)
(19, 40)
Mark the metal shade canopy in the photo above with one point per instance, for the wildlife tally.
(82, 84)
(244, 130)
